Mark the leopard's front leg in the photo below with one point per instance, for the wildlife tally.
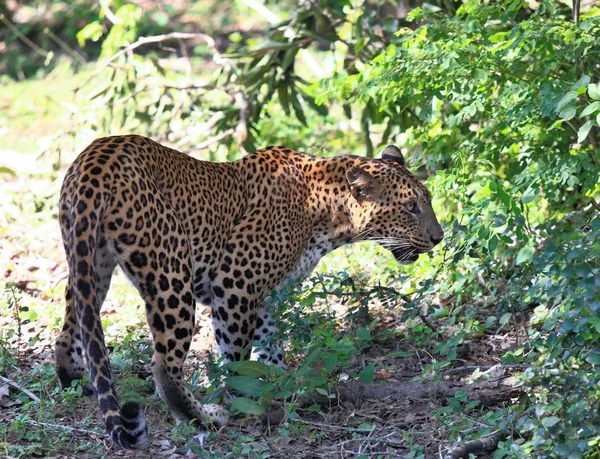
(267, 349)
(234, 321)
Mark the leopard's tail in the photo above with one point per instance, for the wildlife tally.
(125, 424)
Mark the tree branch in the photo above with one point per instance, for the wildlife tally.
(27, 392)
(576, 9)
(487, 442)
(58, 426)
(154, 39)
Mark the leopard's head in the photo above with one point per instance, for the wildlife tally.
(393, 207)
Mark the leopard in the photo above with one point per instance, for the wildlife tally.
(224, 235)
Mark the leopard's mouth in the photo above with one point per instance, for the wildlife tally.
(406, 255)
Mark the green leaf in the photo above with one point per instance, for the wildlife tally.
(490, 320)
(367, 374)
(525, 254)
(492, 243)
(566, 99)
(247, 406)
(582, 83)
(594, 91)
(7, 170)
(593, 358)
(440, 312)
(93, 31)
(314, 408)
(331, 362)
(289, 57)
(314, 380)
(322, 391)
(529, 195)
(551, 421)
(504, 197)
(593, 107)
(568, 113)
(505, 318)
(363, 334)
(282, 92)
(556, 124)
(366, 427)
(584, 131)
(313, 356)
(249, 386)
(249, 368)
(415, 15)
(298, 110)
(322, 110)
(595, 321)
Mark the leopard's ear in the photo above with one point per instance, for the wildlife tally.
(393, 153)
(362, 184)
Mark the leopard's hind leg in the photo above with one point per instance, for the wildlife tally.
(69, 350)
(157, 259)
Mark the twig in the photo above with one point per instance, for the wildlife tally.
(576, 9)
(516, 366)
(486, 442)
(215, 139)
(263, 11)
(426, 321)
(367, 441)
(483, 283)
(374, 454)
(241, 130)
(321, 425)
(137, 92)
(189, 86)
(27, 392)
(595, 204)
(382, 439)
(74, 54)
(23, 38)
(330, 426)
(153, 39)
(58, 426)
(379, 289)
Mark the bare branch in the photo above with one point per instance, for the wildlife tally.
(516, 366)
(27, 392)
(59, 426)
(23, 37)
(576, 10)
(487, 442)
(215, 139)
(595, 204)
(154, 39)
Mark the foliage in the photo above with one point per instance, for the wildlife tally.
(506, 109)
(321, 352)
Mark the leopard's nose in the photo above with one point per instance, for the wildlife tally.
(436, 239)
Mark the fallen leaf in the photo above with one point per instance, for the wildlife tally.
(200, 437)
(5, 400)
(384, 374)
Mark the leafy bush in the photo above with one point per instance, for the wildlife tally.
(503, 102)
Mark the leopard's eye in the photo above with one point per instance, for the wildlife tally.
(412, 207)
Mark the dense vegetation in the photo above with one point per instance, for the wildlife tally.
(497, 106)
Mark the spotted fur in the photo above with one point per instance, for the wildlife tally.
(224, 235)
